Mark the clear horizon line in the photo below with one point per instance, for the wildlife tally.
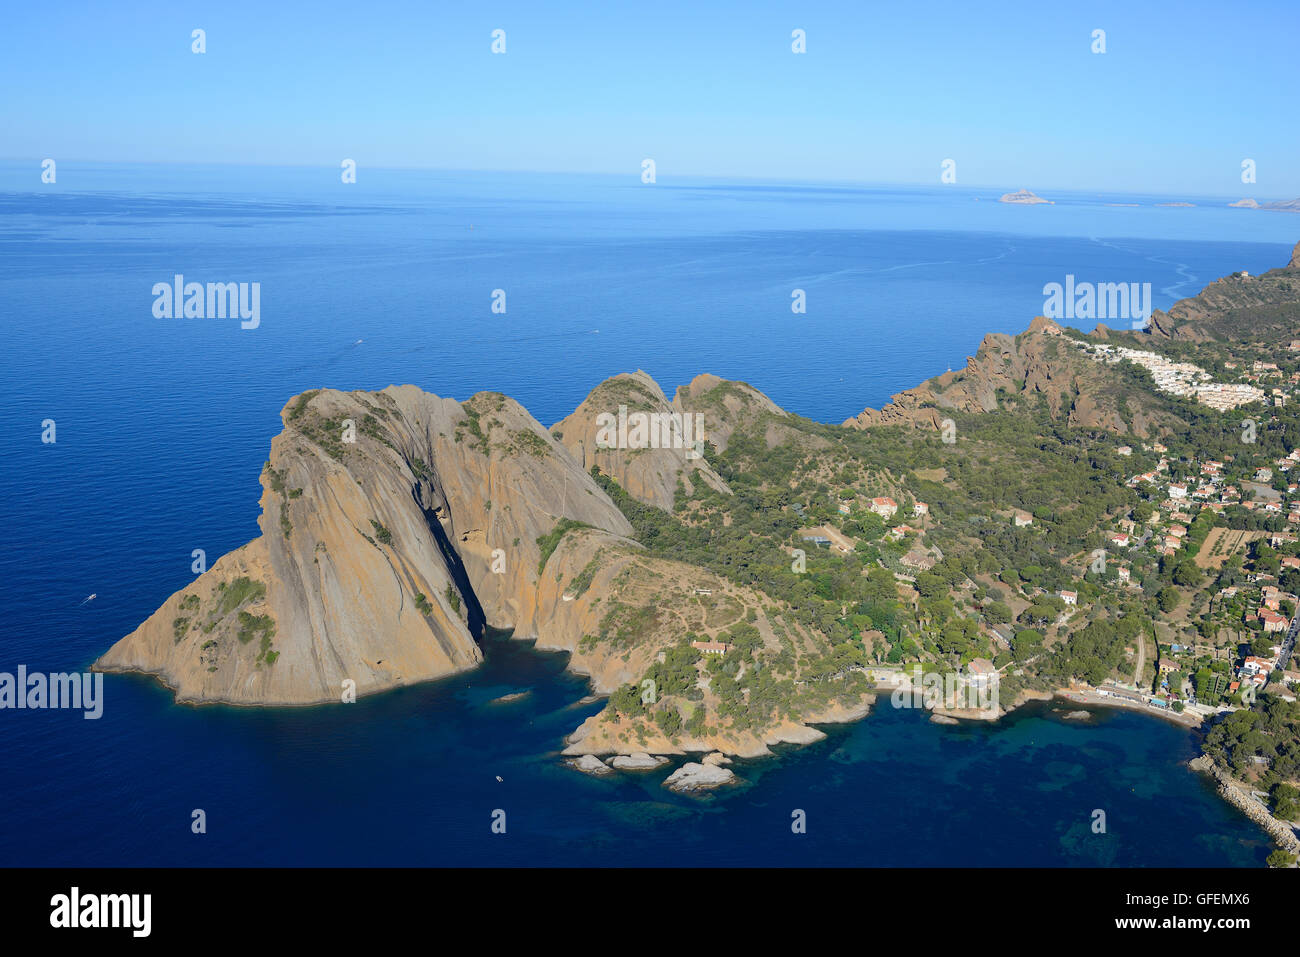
(633, 174)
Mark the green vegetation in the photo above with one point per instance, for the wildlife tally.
(582, 581)
(239, 592)
(300, 406)
(1280, 858)
(549, 542)
(251, 626)
(1269, 729)
(527, 442)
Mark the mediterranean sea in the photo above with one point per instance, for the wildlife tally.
(163, 426)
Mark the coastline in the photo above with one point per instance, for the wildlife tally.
(1232, 791)
(1187, 720)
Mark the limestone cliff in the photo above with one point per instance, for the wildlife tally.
(649, 456)
(1039, 364)
(393, 524)
(728, 407)
(1235, 308)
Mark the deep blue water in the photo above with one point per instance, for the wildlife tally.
(163, 426)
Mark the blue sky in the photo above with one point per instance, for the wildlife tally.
(885, 92)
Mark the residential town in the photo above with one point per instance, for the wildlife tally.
(1186, 379)
(1215, 652)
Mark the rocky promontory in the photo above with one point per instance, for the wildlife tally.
(397, 526)
(1039, 364)
(394, 524)
(1283, 834)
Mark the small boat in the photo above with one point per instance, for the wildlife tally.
(90, 597)
(499, 778)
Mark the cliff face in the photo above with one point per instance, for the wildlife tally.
(648, 463)
(395, 524)
(379, 558)
(727, 406)
(1236, 307)
(1041, 362)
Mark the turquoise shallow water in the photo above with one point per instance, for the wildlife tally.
(163, 426)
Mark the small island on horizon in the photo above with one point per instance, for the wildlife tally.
(1023, 197)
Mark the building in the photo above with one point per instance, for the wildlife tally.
(919, 509)
(1254, 665)
(1021, 519)
(1272, 621)
(1002, 634)
(845, 508)
(1177, 490)
(918, 558)
(980, 672)
(884, 506)
(711, 647)
(1120, 539)
(1070, 597)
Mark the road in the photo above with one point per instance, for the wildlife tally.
(1288, 646)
